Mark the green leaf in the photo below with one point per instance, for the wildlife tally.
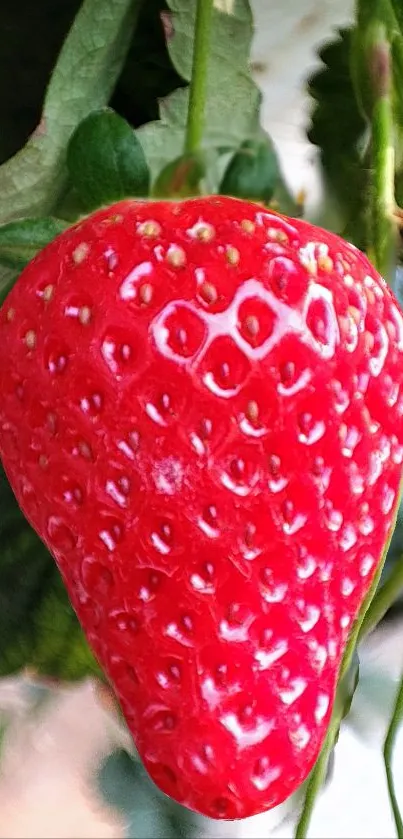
(70, 207)
(339, 130)
(393, 729)
(181, 178)
(233, 99)
(106, 161)
(91, 58)
(21, 240)
(146, 77)
(8, 277)
(398, 12)
(38, 628)
(253, 172)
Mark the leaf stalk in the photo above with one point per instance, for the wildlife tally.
(198, 83)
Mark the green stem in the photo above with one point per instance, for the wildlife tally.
(375, 601)
(384, 227)
(316, 780)
(197, 92)
(395, 723)
(384, 230)
(318, 773)
(383, 600)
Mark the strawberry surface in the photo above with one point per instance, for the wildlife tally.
(201, 416)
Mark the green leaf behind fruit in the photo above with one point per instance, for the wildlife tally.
(8, 277)
(181, 178)
(21, 240)
(253, 173)
(233, 99)
(106, 161)
(397, 7)
(146, 77)
(38, 628)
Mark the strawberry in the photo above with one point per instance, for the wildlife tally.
(201, 416)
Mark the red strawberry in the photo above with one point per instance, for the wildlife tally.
(201, 415)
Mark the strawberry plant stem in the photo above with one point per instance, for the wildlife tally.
(384, 231)
(376, 602)
(383, 600)
(316, 780)
(197, 92)
(395, 723)
(379, 600)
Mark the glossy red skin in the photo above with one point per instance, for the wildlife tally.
(217, 499)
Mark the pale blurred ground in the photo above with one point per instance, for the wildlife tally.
(47, 764)
(49, 759)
